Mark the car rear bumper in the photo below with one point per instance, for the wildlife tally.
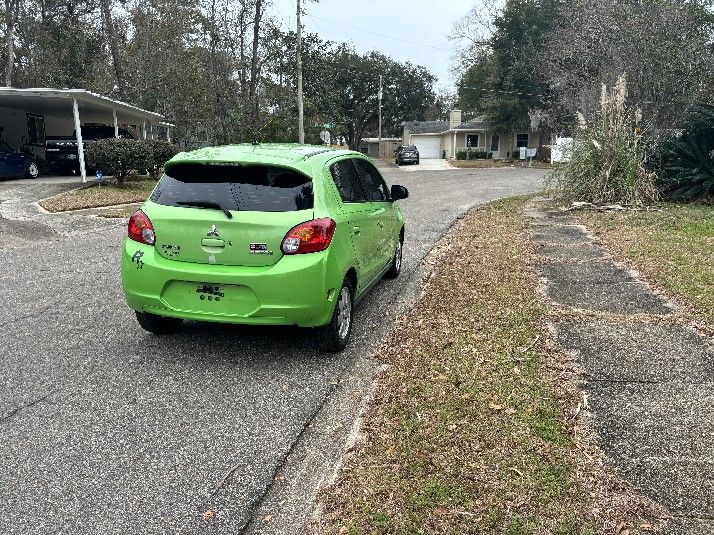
(61, 158)
(295, 291)
(409, 158)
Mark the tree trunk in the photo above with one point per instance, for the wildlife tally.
(10, 7)
(113, 46)
(254, 59)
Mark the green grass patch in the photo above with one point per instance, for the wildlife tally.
(94, 196)
(468, 431)
(673, 247)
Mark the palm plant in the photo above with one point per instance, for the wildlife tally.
(687, 161)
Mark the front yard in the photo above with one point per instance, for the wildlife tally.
(674, 247)
(473, 427)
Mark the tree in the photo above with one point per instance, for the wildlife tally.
(503, 79)
(114, 45)
(664, 47)
(351, 86)
(11, 7)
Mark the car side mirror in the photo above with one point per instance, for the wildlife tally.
(399, 192)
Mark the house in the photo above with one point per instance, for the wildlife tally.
(439, 139)
(374, 148)
(28, 116)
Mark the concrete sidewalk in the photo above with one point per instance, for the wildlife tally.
(648, 379)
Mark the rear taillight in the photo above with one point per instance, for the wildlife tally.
(309, 237)
(141, 229)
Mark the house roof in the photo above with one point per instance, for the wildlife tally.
(427, 127)
(376, 139)
(439, 127)
(478, 124)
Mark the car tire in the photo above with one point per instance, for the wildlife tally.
(158, 324)
(32, 170)
(396, 162)
(396, 265)
(417, 162)
(335, 336)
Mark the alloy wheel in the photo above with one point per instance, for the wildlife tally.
(344, 313)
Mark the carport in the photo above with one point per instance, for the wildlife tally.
(28, 115)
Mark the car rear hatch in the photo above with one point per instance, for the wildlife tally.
(227, 214)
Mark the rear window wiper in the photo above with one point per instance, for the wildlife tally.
(206, 204)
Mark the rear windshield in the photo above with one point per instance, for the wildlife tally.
(409, 147)
(257, 188)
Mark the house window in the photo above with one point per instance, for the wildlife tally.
(521, 140)
(35, 129)
(472, 140)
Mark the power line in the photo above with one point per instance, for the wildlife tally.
(379, 34)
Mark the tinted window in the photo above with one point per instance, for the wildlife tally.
(4, 147)
(251, 188)
(347, 181)
(372, 182)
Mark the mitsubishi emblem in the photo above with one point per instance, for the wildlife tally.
(213, 232)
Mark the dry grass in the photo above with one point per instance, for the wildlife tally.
(120, 212)
(672, 247)
(472, 428)
(487, 164)
(136, 190)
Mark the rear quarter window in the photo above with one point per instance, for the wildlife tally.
(258, 188)
(347, 181)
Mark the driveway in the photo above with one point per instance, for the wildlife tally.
(106, 429)
(433, 164)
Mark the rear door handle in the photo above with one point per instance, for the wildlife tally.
(356, 230)
(381, 225)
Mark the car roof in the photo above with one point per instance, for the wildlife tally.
(281, 154)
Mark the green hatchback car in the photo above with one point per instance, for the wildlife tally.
(262, 234)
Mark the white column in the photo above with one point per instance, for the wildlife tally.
(168, 134)
(80, 146)
(152, 131)
(454, 146)
(116, 124)
(143, 128)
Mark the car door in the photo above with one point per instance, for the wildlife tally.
(12, 164)
(362, 227)
(381, 212)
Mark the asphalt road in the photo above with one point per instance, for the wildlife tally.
(107, 429)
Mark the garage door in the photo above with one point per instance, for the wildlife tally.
(429, 146)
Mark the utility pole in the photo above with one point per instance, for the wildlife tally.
(301, 120)
(379, 95)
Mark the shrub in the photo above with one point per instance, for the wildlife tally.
(162, 152)
(443, 154)
(687, 162)
(608, 162)
(117, 157)
(461, 154)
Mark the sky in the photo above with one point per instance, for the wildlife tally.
(417, 29)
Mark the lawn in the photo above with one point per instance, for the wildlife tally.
(134, 190)
(673, 247)
(471, 429)
(487, 164)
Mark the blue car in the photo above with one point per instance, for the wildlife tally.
(16, 164)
